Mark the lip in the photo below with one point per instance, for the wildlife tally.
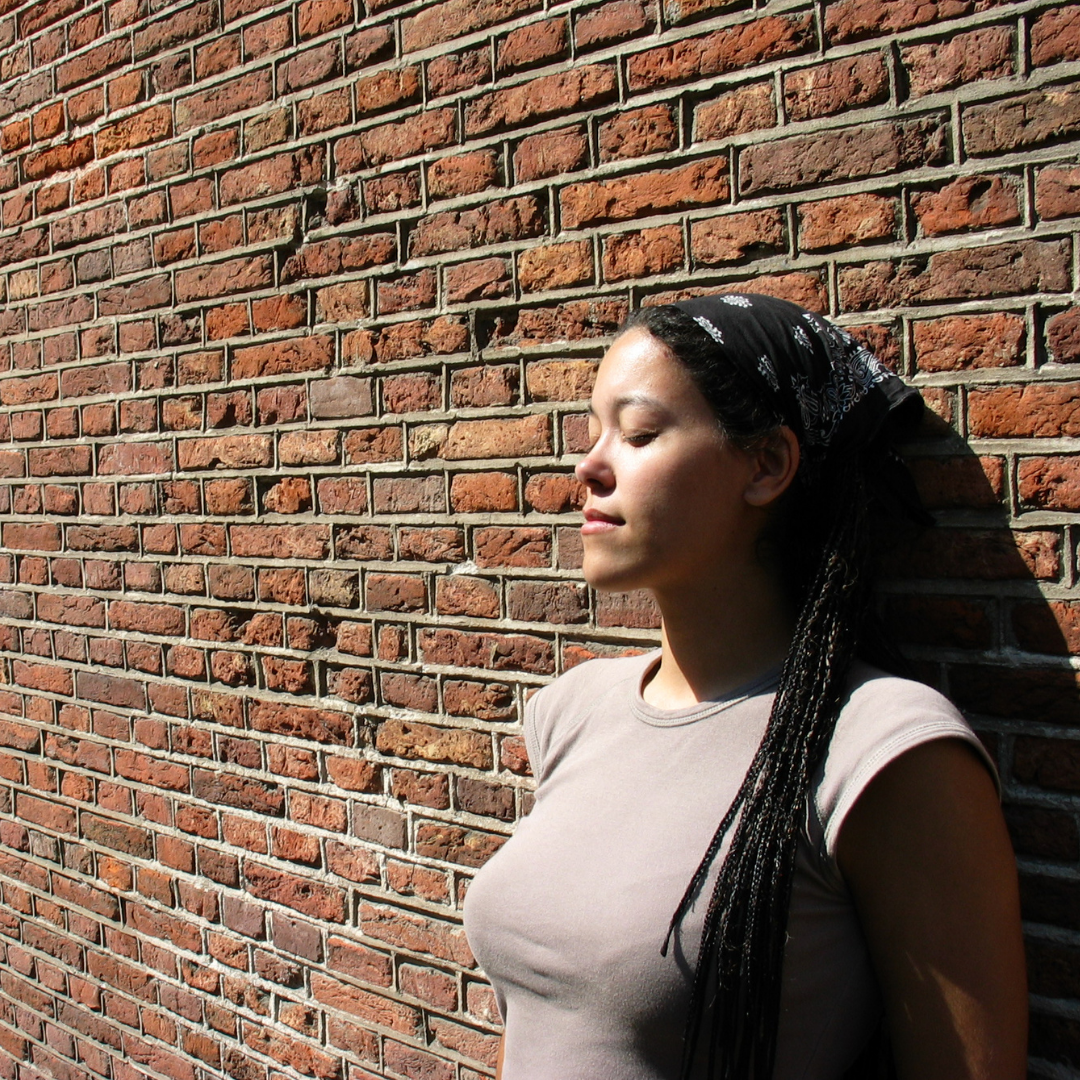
(597, 522)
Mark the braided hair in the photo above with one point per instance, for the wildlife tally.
(820, 546)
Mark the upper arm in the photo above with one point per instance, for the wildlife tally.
(925, 853)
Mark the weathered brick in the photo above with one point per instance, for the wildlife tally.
(463, 174)
(832, 87)
(1055, 36)
(969, 341)
(550, 154)
(986, 53)
(513, 219)
(847, 220)
(843, 154)
(730, 238)
(457, 17)
(700, 184)
(757, 41)
(1022, 121)
(970, 203)
(417, 134)
(998, 270)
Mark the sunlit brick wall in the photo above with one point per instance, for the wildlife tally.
(301, 301)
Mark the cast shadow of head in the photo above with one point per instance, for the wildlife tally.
(971, 604)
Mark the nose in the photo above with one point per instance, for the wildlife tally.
(594, 470)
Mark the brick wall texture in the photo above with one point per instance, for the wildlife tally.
(301, 300)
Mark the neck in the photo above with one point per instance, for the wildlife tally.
(716, 639)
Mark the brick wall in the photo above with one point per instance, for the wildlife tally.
(300, 304)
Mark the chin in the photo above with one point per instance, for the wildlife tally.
(602, 576)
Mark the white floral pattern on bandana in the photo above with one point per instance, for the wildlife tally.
(768, 372)
(855, 371)
(709, 329)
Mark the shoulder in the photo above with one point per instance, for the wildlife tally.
(882, 717)
(558, 707)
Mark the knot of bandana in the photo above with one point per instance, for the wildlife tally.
(822, 383)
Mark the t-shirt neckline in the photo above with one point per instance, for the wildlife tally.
(691, 714)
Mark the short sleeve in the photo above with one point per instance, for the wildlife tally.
(530, 728)
(883, 718)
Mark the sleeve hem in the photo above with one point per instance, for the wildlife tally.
(885, 755)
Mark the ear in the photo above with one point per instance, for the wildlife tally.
(773, 467)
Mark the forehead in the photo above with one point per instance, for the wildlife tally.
(639, 367)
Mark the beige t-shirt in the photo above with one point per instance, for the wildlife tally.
(568, 918)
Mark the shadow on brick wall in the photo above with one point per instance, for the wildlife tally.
(971, 603)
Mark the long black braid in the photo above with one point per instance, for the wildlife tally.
(819, 543)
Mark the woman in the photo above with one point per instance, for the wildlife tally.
(820, 842)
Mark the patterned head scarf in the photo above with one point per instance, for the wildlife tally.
(832, 392)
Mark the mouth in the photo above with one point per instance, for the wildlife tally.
(597, 522)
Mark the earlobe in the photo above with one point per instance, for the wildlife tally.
(774, 465)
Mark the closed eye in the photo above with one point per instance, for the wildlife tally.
(639, 438)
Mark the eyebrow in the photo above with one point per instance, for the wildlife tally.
(638, 399)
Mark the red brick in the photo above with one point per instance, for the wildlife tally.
(985, 53)
(552, 153)
(316, 17)
(458, 71)
(533, 44)
(513, 219)
(280, 541)
(1049, 483)
(389, 89)
(151, 126)
(998, 270)
(555, 266)
(371, 44)
(758, 41)
(455, 18)
(90, 65)
(969, 341)
(1057, 192)
(1055, 36)
(1063, 336)
(463, 174)
(841, 154)
(1022, 121)
(482, 279)
(1037, 410)
(636, 609)
(848, 220)
(715, 241)
(546, 96)
(406, 138)
(236, 95)
(973, 202)
(293, 355)
(850, 20)
(560, 380)
(217, 56)
(611, 22)
(554, 493)
(497, 546)
(220, 279)
(638, 132)
(699, 184)
(456, 595)
(833, 87)
(42, 164)
(959, 481)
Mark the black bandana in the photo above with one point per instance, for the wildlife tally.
(832, 392)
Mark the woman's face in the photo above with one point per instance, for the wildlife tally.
(665, 507)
